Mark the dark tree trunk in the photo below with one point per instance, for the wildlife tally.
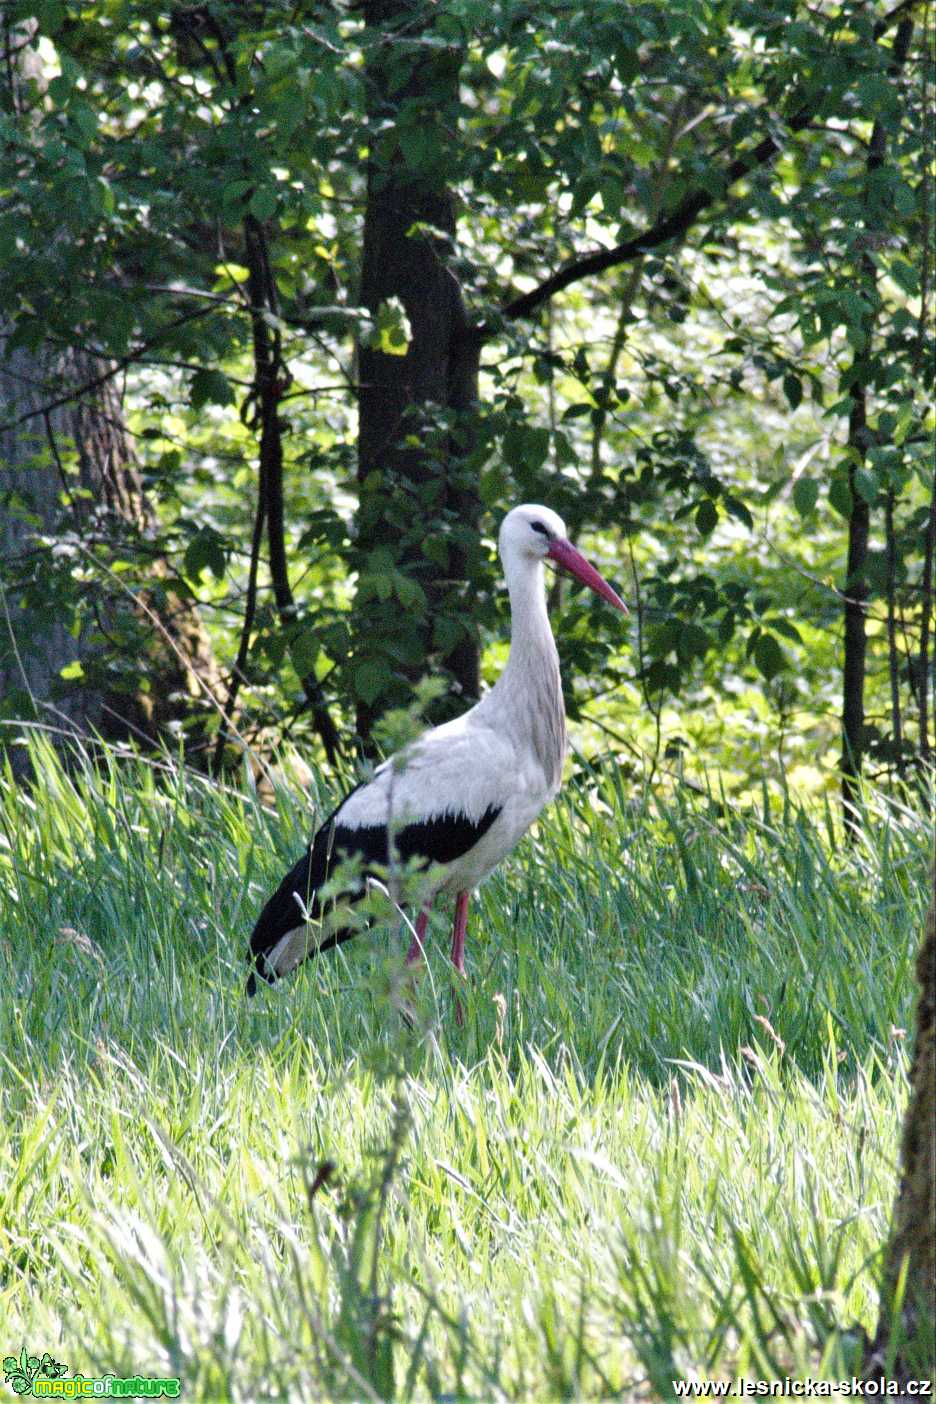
(905, 1345)
(144, 656)
(414, 407)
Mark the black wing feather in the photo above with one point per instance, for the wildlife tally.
(441, 839)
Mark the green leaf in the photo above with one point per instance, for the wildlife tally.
(235, 190)
(105, 195)
(206, 548)
(50, 14)
(72, 671)
(263, 203)
(905, 276)
(866, 484)
(662, 638)
(525, 446)
(706, 517)
(788, 630)
(290, 111)
(736, 508)
(210, 387)
(768, 655)
(304, 652)
(692, 642)
(878, 94)
(27, 333)
(435, 548)
(840, 495)
(409, 592)
(370, 680)
(391, 332)
(59, 89)
(805, 495)
(446, 632)
(565, 454)
(793, 389)
(419, 145)
(904, 199)
(855, 307)
(86, 119)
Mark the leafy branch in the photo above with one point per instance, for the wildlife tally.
(680, 219)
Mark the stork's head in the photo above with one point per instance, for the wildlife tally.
(536, 533)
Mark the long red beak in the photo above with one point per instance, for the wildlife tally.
(570, 560)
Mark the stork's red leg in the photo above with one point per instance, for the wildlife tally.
(418, 943)
(458, 932)
(458, 946)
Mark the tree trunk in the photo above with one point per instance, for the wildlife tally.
(905, 1345)
(139, 654)
(414, 407)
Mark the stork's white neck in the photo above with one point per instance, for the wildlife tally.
(528, 693)
(531, 638)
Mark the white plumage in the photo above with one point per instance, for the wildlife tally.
(462, 796)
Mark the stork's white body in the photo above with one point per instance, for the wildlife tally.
(464, 767)
(464, 794)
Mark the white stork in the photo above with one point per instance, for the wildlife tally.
(461, 796)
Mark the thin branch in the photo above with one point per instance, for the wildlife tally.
(177, 290)
(54, 450)
(823, 585)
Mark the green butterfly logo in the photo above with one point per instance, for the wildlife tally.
(20, 1373)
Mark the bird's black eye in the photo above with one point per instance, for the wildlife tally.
(538, 526)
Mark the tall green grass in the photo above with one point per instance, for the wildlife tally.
(663, 1142)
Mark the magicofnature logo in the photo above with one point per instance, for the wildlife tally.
(45, 1378)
